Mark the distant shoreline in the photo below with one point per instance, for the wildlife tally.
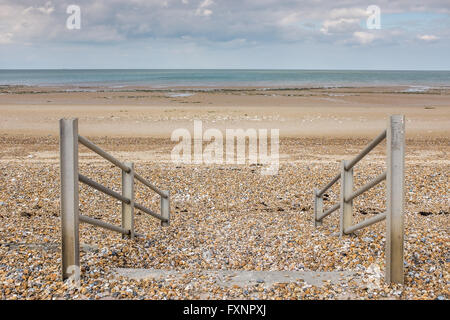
(222, 78)
(47, 88)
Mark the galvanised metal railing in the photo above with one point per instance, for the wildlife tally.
(395, 147)
(70, 217)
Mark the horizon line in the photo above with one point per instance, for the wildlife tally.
(224, 69)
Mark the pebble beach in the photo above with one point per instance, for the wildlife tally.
(224, 217)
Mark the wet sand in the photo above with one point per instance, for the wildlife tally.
(339, 112)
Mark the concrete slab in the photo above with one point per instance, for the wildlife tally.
(242, 278)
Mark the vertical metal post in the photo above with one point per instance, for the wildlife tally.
(395, 198)
(128, 192)
(346, 208)
(68, 149)
(165, 208)
(318, 208)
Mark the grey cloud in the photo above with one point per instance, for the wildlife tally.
(232, 22)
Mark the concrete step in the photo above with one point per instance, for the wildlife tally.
(242, 278)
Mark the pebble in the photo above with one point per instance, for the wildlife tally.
(223, 217)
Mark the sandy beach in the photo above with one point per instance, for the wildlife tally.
(140, 112)
(225, 217)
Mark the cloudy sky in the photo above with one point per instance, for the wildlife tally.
(284, 34)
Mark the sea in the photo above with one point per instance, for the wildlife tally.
(153, 78)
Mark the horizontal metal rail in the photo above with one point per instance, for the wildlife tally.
(102, 188)
(118, 196)
(102, 224)
(366, 150)
(366, 223)
(366, 187)
(150, 212)
(329, 185)
(151, 186)
(329, 211)
(108, 226)
(88, 144)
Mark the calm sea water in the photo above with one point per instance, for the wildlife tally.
(205, 78)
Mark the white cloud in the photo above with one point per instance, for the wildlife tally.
(203, 10)
(428, 37)
(342, 25)
(47, 8)
(5, 38)
(291, 19)
(206, 3)
(364, 37)
(348, 13)
(343, 21)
